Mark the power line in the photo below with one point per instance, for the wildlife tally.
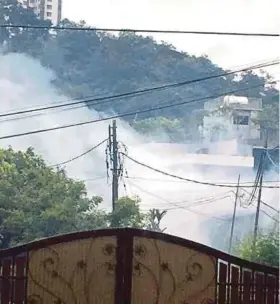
(81, 155)
(106, 99)
(198, 201)
(93, 179)
(182, 181)
(268, 215)
(271, 160)
(264, 212)
(178, 181)
(125, 114)
(89, 97)
(82, 106)
(265, 204)
(138, 30)
(187, 179)
(178, 206)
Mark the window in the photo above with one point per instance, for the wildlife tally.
(49, 7)
(49, 14)
(241, 120)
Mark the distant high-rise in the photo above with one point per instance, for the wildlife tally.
(45, 9)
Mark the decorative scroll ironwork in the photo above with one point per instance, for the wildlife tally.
(168, 273)
(81, 271)
(130, 266)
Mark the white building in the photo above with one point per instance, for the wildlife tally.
(45, 9)
(236, 116)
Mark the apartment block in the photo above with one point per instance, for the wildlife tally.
(240, 120)
(45, 9)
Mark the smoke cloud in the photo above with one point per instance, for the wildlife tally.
(24, 83)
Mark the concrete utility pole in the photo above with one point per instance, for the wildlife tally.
(234, 214)
(114, 158)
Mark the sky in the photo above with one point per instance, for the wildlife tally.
(204, 15)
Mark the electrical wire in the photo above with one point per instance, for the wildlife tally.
(154, 31)
(125, 114)
(178, 206)
(191, 180)
(199, 201)
(271, 160)
(106, 99)
(260, 171)
(265, 204)
(257, 180)
(80, 155)
(78, 107)
(265, 213)
(82, 106)
(176, 181)
(93, 179)
(268, 215)
(179, 181)
(89, 97)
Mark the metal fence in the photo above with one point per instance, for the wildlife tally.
(130, 266)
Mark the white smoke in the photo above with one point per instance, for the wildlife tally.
(24, 83)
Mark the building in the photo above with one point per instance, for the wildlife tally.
(236, 115)
(45, 9)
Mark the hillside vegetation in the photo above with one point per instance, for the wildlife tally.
(36, 201)
(89, 63)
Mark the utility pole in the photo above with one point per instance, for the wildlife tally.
(114, 158)
(258, 203)
(262, 165)
(234, 214)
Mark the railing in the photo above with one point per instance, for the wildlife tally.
(237, 284)
(130, 266)
(13, 279)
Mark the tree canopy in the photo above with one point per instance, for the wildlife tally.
(265, 250)
(37, 201)
(92, 63)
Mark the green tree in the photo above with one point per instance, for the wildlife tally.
(21, 40)
(37, 201)
(265, 251)
(91, 63)
(127, 214)
(160, 125)
(268, 120)
(154, 218)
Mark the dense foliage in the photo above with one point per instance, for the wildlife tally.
(37, 201)
(265, 251)
(89, 63)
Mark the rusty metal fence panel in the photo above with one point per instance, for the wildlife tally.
(125, 266)
(13, 279)
(242, 284)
